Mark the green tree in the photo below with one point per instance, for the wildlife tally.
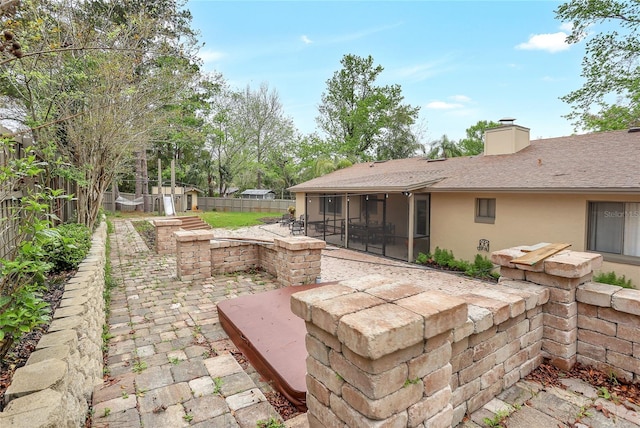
(261, 127)
(357, 116)
(443, 148)
(610, 68)
(94, 84)
(473, 143)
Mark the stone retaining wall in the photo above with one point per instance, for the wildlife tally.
(54, 387)
(291, 260)
(383, 352)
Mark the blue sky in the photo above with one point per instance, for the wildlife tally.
(460, 61)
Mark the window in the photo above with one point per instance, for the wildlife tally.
(485, 210)
(614, 227)
(331, 205)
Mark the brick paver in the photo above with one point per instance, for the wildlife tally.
(170, 363)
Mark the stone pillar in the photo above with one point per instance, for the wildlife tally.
(193, 248)
(562, 273)
(298, 259)
(165, 241)
(379, 353)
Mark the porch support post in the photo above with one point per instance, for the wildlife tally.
(412, 226)
(346, 222)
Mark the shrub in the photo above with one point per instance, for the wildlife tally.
(612, 279)
(480, 268)
(67, 247)
(459, 265)
(423, 258)
(443, 257)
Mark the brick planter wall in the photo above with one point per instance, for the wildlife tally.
(165, 241)
(292, 260)
(387, 353)
(609, 329)
(54, 387)
(193, 254)
(596, 324)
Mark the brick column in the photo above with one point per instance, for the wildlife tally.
(562, 273)
(193, 248)
(165, 241)
(379, 353)
(298, 259)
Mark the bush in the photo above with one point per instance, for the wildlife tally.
(612, 279)
(443, 257)
(481, 267)
(423, 258)
(459, 265)
(67, 246)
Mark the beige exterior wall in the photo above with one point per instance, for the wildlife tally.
(300, 204)
(521, 219)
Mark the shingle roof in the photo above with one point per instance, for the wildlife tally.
(606, 161)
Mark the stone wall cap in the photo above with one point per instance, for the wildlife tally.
(569, 265)
(193, 235)
(504, 257)
(626, 300)
(167, 222)
(36, 377)
(298, 243)
(380, 330)
(21, 412)
(303, 301)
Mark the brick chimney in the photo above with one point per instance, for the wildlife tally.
(506, 139)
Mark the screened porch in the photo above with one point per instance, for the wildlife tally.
(386, 224)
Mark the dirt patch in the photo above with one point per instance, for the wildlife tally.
(147, 232)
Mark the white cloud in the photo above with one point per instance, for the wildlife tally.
(554, 42)
(461, 98)
(211, 56)
(306, 40)
(443, 105)
(567, 27)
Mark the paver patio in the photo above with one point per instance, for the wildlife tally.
(171, 364)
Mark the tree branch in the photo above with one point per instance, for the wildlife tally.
(3, 62)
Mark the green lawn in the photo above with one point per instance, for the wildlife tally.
(231, 220)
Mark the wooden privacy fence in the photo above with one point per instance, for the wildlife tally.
(210, 204)
(245, 205)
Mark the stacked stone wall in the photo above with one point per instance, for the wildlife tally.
(593, 323)
(165, 240)
(54, 387)
(383, 352)
(292, 260)
(609, 329)
(229, 256)
(193, 254)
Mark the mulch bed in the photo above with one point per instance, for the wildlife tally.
(22, 349)
(621, 391)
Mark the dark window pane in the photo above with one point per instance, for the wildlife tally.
(606, 224)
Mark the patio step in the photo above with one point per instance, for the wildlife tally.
(194, 223)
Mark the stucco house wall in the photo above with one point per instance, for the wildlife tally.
(524, 217)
